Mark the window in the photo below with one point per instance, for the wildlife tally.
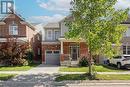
(126, 49)
(49, 52)
(49, 34)
(57, 35)
(56, 52)
(13, 30)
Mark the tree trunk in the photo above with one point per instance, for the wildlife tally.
(90, 65)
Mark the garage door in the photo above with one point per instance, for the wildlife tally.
(53, 57)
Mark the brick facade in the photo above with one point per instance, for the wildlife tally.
(66, 49)
(25, 30)
(4, 29)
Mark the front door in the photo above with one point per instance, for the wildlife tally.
(74, 53)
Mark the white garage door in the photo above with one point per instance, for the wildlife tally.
(53, 57)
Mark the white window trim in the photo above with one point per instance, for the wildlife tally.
(55, 34)
(50, 38)
(10, 30)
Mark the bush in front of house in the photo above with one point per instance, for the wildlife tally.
(83, 62)
(13, 53)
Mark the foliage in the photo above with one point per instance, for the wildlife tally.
(98, 23)
(13, 53)
(83, 62)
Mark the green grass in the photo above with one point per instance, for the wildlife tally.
(114, 77)
(98, 68)
(18, 68)
(71, 77)
(5, 77)
(98, 77)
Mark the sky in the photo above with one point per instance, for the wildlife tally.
(44, 11)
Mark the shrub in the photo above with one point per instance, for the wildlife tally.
(13, 53)
(83, 62)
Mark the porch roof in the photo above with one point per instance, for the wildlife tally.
(63, 39)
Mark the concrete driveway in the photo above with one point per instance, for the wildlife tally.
(44, 69)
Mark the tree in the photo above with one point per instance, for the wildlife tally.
(13, 53)
(98, 23)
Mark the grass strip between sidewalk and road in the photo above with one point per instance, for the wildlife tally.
(5, 77)
(18, 68)
(87, 77)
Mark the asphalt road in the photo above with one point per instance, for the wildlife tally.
(65, 84)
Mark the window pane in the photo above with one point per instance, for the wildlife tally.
(57, 34)
(124, 50)
(48, 52)
(56, 52)
(128, 49)
(13, 30)
(49, 35)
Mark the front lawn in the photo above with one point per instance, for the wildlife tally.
(6, 76)
(18, 68)
(98, 77)
(98, 68)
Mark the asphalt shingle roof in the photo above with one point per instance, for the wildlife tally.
(52, 25)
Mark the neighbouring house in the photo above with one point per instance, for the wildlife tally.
(57, 50)
(14, 26)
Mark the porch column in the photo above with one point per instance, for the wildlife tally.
(62, 54)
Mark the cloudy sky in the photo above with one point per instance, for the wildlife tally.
(50, 10)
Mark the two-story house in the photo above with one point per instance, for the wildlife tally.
(13, 25)
(58, 50)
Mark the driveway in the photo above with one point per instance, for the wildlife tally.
(44, 69)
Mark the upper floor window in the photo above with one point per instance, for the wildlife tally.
(57, 35)
(13, 30)
(49, 34)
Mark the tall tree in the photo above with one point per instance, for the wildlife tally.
(98, 23)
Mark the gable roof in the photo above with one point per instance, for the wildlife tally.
(3, 17)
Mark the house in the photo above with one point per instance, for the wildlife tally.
(56, 50)
(13, 25)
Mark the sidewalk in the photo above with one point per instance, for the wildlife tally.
(128, 72)
(36, 71)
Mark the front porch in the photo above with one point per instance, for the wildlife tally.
(71, 52)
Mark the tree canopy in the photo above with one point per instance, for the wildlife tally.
(98, 23)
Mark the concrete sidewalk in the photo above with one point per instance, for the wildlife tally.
(128, 72)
